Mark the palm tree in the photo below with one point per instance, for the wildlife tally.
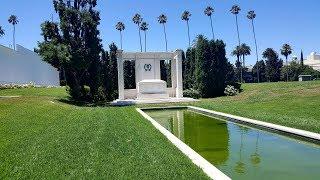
(144, 27)
(137, 20)
(120, 27)
(286, 50)
(245, 50)
(237, 52)
(1, 31)
(235, 10)
(186, 17)
(13, 20)
(162, 19)
(209, 11)
(251, 16)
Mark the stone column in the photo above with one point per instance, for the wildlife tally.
(120, 75)
(179, 86)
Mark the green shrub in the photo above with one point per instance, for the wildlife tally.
(191, 93)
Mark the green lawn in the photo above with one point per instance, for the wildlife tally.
(42, 137)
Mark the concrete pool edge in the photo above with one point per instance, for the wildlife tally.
(207, 167)
(243, 120)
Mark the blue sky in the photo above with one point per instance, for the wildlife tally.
(287, 21)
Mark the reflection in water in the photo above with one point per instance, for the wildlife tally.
(242, 152)
(255, 157)
(240, 165)
(208, 138)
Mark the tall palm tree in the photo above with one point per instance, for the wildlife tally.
(162, 19)
(186, 17)
(251, 16)
(14, 21)
(209, 11)
(137, 19)
(1, 31)
(144, 27)
(286, 50)
(245, 50)
(235, 10)
(120, 27)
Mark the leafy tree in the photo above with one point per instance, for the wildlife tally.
(231, 77)
(209, 11)
(137, 19)
(273, 65)
(129, 74)
(1, 31)
(120, 27)
(211, 67)
(251, 16)
(113, 71)
(144, 28)
(186, 17)
(162, 19)
(286, 50)
(291, 71)
(259, 70)
(14, 21)
(74, 45)
(294, 69)
(189, 68)
(202, 62)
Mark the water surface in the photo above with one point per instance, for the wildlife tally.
(242, 152)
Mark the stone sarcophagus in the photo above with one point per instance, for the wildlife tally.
(152, 89)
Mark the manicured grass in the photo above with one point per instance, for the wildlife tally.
(293, 104)
(43, 138)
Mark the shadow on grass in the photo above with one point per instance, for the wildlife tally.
(89, 104)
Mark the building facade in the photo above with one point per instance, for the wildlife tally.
(24, 66)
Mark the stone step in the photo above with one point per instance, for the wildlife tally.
(152, 96)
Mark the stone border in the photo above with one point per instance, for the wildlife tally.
(7, 97)
(208, 168)
(275, 127)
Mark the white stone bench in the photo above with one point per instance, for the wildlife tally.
(152, 89)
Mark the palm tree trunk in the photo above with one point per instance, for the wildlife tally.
(239, 42)
(145, 41)
(121, 40)
(255, 42)
(140, 37)
(243, 65)
(287, 68)
(165, 36)
(14, 37)
(188, 32)
(211, 27)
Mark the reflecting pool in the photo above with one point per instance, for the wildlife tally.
(239, 151)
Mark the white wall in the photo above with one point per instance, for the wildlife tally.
(24, 66)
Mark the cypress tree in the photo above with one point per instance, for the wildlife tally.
(301, 58)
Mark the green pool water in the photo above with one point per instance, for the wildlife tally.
(242, 152)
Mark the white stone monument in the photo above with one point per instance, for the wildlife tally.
(149, 86)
